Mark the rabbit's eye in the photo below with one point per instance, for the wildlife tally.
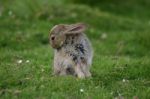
(52, 38)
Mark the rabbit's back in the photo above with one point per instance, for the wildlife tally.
(79, 48)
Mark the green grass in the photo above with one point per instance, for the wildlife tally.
(121, 64)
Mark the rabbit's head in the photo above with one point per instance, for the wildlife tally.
(58, 33)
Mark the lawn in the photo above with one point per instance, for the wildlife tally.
(120, 34)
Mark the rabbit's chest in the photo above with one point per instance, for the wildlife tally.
(63, 60)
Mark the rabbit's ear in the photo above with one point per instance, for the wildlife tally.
(75, 28)
(58, 28)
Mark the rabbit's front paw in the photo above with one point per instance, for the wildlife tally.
(81, 75)
(56, 72)
(79, 72)
(88, 74)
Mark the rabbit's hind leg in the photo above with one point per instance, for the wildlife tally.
(86, 71)
(85, 67)
(79, 71)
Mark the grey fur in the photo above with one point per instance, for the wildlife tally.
(74, 56)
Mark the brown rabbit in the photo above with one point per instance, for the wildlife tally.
(73, 50)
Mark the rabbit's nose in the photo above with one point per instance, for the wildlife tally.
(52, 38)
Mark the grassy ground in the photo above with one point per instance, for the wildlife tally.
(120, 34)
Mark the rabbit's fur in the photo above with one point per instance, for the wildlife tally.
(73, 51)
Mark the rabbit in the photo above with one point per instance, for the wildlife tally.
(73, 51)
